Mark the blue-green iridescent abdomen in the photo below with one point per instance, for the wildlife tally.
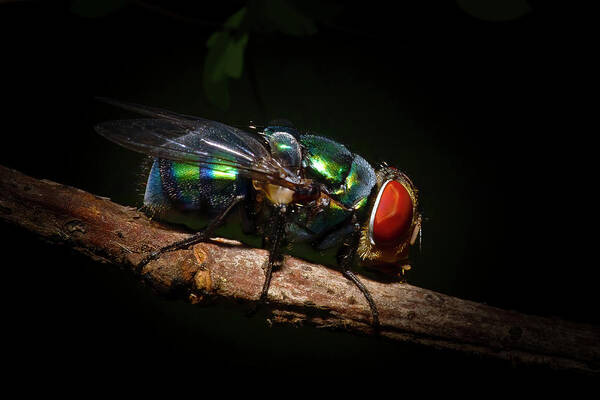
(187, 187)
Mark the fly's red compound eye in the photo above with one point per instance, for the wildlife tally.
(392, 215)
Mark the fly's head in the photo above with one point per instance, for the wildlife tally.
(394, 222)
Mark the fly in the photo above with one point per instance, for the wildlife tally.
(290, 187)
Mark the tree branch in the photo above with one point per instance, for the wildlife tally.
(300, 292)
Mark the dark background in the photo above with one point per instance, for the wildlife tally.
(482, 107)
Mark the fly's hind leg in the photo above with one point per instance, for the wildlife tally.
(200, 236)
(345, 257)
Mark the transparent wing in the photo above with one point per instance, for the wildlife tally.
(196, 141)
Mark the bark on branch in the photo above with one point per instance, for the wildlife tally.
(300, 292)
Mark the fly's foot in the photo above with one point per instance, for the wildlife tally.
(268, 270)
(404, 273)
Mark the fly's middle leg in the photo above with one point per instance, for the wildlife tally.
(274, 240)
(200, 236)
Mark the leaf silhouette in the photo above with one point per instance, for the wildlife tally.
(224, 60)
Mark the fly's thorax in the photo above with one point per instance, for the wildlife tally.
(287, 151)
(347, 177)
(284, 147)
(393, 222)
(326, 161)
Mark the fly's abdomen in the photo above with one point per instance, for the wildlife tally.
(181, 186)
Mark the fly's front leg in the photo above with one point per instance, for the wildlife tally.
(345, 257)
(274, 240)
(200, 236)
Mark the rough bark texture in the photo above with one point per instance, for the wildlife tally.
(300, 292)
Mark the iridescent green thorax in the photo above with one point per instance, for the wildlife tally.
(325, 160)
(348, 177)
(358, 184)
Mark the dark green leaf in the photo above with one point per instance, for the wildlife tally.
(213, 64)
(225, 56)
(224, 60)
(234, 56)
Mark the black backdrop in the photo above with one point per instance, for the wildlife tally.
(482, 114)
